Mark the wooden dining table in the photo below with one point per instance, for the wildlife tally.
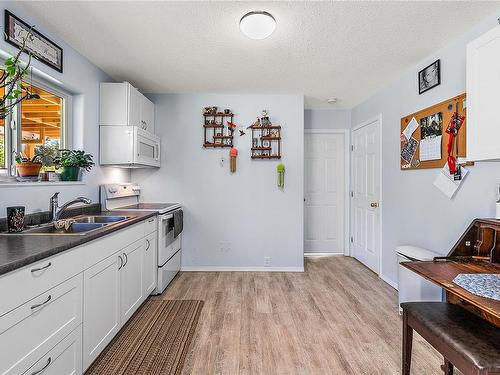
(442, 273)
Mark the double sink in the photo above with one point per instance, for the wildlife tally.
(80, 225)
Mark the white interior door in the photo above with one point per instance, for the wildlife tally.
(324, 193)
(365, 211)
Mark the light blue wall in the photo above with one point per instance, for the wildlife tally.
(81, 78)
(246, 209)
(414, 211)
(327, 119)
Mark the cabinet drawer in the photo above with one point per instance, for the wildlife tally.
(32, 329)
(150, 225)
(64, 359)
(25, 283)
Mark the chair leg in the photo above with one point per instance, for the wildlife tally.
(447, 367)
(407, 345)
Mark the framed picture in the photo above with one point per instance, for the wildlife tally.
(429, 77)
(40, 47)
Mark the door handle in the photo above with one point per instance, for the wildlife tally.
(47, 364)
(42, 303)
(126, 259)
(374, 204)
(149, 245)
(41, 268)
(121, 262)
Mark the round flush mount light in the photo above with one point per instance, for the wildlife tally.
(332, 100)
(257, 25)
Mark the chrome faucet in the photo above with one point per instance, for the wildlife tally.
(56, 211)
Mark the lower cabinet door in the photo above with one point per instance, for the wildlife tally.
(32, 329)
(131, 279)
(64, 359)
(101, 307)
(150, 264)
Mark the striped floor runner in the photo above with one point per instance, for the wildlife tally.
(154, 341)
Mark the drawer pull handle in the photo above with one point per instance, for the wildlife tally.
(121, 262)
(126, 259)
(41, 268)
(49, 361)
(41, 304)
(149, 245)
(151, 220)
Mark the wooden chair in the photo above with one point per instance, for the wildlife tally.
(466, 341)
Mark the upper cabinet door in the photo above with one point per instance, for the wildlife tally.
(483, 96)
(147, 114)
(120, 104)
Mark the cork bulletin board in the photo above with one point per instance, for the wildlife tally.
(423, 143)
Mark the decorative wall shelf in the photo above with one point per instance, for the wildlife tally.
(216, 132)
(266, 139)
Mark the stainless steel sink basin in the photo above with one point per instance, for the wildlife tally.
(81, 225)
(74, 229)
(101, 219)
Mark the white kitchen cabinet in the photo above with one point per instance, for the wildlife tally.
(101, 307)
(483, 95)
(32, 329)
(64, 359)
(131, 279)
(121, 104)
(150, 264)
(147, 114)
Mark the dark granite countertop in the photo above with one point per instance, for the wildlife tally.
(18, 250)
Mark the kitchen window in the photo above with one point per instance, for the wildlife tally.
(35, 123)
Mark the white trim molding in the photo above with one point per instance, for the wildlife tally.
(347, 179)
(389, 281)
(240, 269)
(312, 255)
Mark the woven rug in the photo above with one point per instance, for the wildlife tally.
(154, 341)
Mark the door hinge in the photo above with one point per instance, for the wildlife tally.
(352, 239)
(352, 194)
(352, 147)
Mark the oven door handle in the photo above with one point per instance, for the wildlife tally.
(166, 217)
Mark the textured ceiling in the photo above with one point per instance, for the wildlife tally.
(320, 49)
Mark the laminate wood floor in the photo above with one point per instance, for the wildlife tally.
(337, 317)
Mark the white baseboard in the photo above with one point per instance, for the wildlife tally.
(389, 281)
(323, 254)
(240, 269)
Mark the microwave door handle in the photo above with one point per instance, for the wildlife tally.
(157, 151)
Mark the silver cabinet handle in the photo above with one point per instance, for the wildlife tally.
(41, 268)
(151, 220)
(149, 244)
(41, 304)
(121, 262)
(49, 361)
(126, 259)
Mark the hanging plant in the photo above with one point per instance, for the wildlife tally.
(11, 80)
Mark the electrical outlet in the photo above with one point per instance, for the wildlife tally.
(267, 261)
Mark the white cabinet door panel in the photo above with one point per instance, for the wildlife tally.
(131, 279)
(150, 264)
(101, 313)
(483, 83)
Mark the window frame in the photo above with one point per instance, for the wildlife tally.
(13, 132)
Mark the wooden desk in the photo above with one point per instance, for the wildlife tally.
(442, 273)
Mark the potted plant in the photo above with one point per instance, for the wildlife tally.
(27, 167)
(71, 162)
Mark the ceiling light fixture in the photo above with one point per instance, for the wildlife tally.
(257, 25)
(332, 100)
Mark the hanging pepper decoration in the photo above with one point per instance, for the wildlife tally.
(280, 168)
(233, 152)
(453, 128)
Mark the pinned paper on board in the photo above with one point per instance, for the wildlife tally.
(408, 150)
(410, 129)
(446, 182)
(430, 148)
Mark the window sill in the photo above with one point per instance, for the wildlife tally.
(41, 183)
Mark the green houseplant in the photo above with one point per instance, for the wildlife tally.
(71, 162)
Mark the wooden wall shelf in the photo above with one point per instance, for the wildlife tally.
(266, 139)
(216, 133)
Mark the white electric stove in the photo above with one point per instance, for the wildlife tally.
(126, 197)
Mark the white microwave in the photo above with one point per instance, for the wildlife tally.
(128, 146)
